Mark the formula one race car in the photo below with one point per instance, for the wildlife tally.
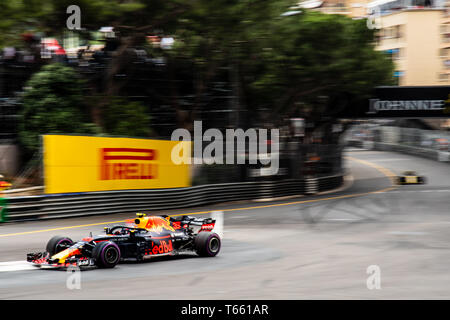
(4, 184)
(143, 238)
(410, 177)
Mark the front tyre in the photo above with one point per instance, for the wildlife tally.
(58, 244)
(106, 254)
(207, 244)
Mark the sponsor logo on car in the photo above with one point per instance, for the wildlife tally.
(163, 247)
(207, 227)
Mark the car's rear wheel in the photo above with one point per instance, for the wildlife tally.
(106, 254)
(207, 244)
(58, 244)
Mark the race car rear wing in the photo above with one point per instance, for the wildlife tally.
(195, 224)
(190, 220)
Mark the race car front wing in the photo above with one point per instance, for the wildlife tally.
(42, 260)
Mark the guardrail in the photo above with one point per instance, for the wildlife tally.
(431, 144)
(19, 190)
(99, 203)
(417, 151)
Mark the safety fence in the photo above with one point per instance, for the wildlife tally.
(100, 203)
(437, 155)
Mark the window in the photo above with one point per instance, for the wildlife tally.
(397, 53)
(398, 76)
(394, 32)
(446, 63)
(399, 31)
(443, 77)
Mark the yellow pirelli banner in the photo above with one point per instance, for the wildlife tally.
(83, 163)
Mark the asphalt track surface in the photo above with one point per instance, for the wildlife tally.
(297, 248)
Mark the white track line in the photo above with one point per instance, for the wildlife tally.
(16, 266)
(218, 227)
(415, 191)
(407, 233)
(391, 159)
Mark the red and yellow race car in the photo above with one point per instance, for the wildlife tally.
(4, 184)
(139, 239)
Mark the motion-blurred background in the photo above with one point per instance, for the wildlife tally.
(75, 72)
(142, 68)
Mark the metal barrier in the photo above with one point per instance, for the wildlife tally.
(431, 144)
(98, 203)
(3, 207)
(416, 151)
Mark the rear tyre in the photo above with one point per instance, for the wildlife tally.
(207, 244)
(58, 244)
(106, 254)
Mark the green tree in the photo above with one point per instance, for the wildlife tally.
(125, 118)
(310, 64)
(317, 64)
(52, 103)
(222, 39)
(19, 16)
(315, 54)
(132, 21)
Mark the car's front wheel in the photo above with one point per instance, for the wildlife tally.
(106, 254)
(207, 244)
(58, 244)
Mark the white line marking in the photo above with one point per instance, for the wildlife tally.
(407, 233)
(399, 159)
(218, 227)
(411, 191)
(16, 266)
(355, 149)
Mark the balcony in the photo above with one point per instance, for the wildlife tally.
(445, 29)
(336, 10)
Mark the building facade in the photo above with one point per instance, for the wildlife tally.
(414, 33)
(412, 38)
